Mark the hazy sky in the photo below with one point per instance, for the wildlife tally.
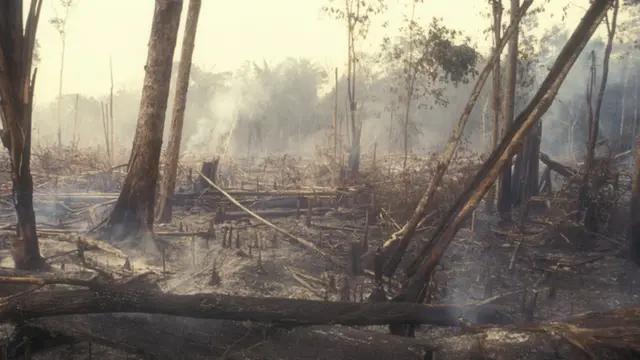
(229, 32)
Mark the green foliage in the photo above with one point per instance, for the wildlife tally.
(424, 60)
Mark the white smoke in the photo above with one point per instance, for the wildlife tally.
(242, 98)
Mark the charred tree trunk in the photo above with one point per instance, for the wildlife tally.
(495, 106)
(210, 170)
(504, 197)
(356, 129)
(611, 335)
(526, 169)
(534, 160)
(133, 211)
(179, 105)
(16, 92)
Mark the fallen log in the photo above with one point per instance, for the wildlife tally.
(172, 338)
(236, 215)
(613, 335)
(290, 202)
(12, 288)
(212, 193)
(227, 307)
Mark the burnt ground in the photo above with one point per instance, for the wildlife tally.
(565, 276)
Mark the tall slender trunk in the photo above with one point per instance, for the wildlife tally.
(335, 118)
(405, 129)
(64, 45)
(168, 183)
(133, 211)
(495, 105)
(356, 130)
(635, 104)
(625, 81)
(16, 91)
(634, 210)
(505, 200)
(588, 209)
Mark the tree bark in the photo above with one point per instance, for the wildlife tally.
(162, 337)
(526, 170)
(561, 169)
(290, 312)
(168, 183)
(356, 129)
(16, 92)
(210, 170)
(495, 105)
(133, 211)
(611, 335)
(509, 146)
(504, 197)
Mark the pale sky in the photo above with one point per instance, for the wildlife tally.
(229, 33)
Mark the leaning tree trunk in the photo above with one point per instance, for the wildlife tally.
(133, 211)
(400, 240)
(505, 200)
(443, 235)
(179, 105)
(16, 92)
(611, 335)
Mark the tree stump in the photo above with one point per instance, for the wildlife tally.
(210, 170)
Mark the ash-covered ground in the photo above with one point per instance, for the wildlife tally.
(489, 263)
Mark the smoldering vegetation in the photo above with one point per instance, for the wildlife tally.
(275, 242)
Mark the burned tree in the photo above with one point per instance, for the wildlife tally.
(133, 211)
(496, 12)
(400, 240)
(504, 199)
(591, 184)
(179, 105)
(16, 92)
(357, 15)
(423, 265)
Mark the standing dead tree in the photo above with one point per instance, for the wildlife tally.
(168, 183)
(357, 14)
(134, 209)
(505, 200)
(496, 12)
(588, 207)
(16, 92)
(423, 266)
(60, 23)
